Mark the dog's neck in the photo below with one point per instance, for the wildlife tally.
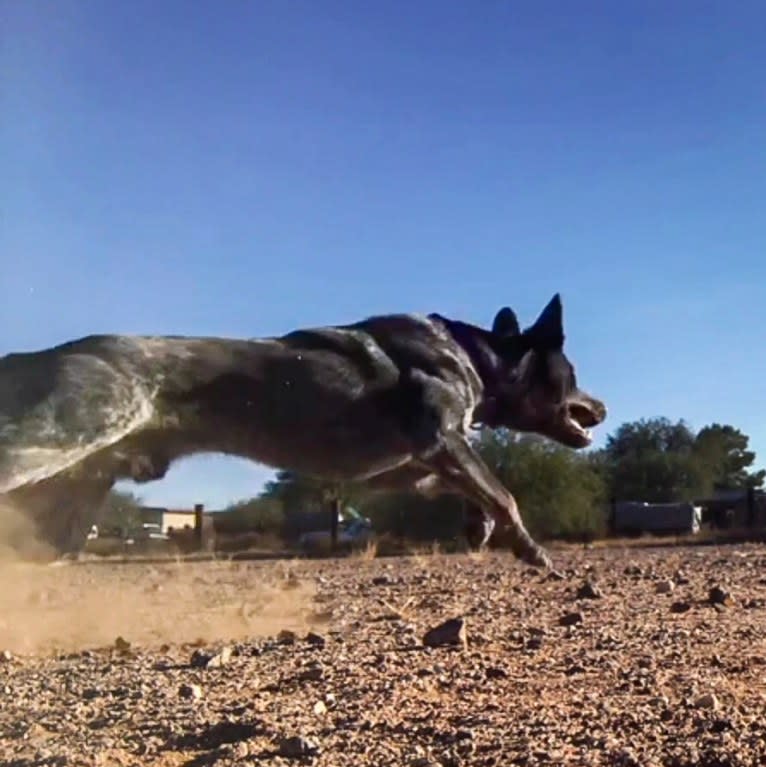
(477, 344)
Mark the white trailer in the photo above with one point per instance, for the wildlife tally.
(635, 517)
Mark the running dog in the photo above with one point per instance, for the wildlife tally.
(389, 400)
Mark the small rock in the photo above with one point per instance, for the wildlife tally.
(589, 590)
(570, 619)
(297, 747)
(681, 578)
(313, 674)
(292, 581)
(287, 637)
(664, 587)
(201, 659)
(221, 659)
(6, 656)
(680, 607)
(718, 596)
(121, 644)
(190, 692)
(315, 640)
(494, 672)
(320, 708)
(706, 701)
(421, 672)
(382, 580)
(451, 632)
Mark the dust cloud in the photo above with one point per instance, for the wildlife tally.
(70, 606)
(18, 537)
(74, 606)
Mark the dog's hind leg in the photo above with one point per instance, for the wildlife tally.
(409, 477)
(479, 525)
(462, 469)
(61, 510)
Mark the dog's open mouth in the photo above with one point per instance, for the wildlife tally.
(580, 418)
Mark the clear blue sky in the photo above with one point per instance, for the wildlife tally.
(244, 168)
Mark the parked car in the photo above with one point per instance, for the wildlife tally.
(354, 531)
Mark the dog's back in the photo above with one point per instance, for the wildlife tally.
(59, 405)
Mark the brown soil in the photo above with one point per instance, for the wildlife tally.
(639, 677)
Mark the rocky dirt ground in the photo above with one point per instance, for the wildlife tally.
(622, 657)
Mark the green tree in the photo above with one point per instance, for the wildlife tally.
(303, 493)
(657, 460)
(723, 452)
(413, 517)
(121, 511)
(561, 492)
(654, 460)
(650, 435)
(261, 515)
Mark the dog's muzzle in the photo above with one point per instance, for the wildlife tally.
(580, 415)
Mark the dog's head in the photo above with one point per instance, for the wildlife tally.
(534, 387)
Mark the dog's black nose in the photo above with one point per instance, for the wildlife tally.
(599, 411)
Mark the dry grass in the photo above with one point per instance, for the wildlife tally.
(367, 553)
(705, 537)
(405, 610)
(429, 555)
(477, 555)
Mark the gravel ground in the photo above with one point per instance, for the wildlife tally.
(623, 657)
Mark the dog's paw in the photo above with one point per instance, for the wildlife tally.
(478, 530)
(537, 556)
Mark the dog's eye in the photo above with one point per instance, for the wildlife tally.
(558, 376)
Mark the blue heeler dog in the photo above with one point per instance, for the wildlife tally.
(389, 400)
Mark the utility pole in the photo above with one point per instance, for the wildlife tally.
(334, 505)
(751, 506)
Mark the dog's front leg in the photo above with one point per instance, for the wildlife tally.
(460, 467)
(479, 526)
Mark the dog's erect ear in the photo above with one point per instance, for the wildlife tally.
(505, 323)
(548, 330)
